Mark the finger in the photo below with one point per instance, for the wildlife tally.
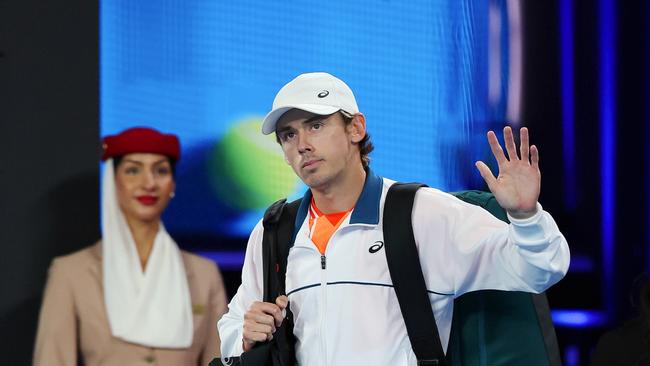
(256, 332)
(282, 301)
(265, 307)
(486, 173)
(509, 142)
(524, 144)
(253, 327)
(534, 157)
(278, 316)
(497, 151)
(258, 317)
(252, 337)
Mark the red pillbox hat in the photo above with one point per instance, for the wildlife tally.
(141, 140)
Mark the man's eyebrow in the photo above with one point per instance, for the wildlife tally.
(307, 121)
(313, 118)
(284, 129)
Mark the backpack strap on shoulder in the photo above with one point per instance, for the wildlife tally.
(278, 225)
(269, 249)
(406, 274)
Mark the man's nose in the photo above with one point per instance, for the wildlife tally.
(304, 144)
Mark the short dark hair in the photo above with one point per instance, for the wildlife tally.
(365, 145)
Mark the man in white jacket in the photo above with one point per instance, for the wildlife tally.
(337, 282)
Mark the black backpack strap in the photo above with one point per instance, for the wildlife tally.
(406, 274)
(278, 224)
(548, 331)
(269, 249)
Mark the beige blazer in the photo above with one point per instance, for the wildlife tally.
(73, 322)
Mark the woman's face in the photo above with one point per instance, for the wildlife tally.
(144, 183)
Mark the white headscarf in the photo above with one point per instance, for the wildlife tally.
(150, 308)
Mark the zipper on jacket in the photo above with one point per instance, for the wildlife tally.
(323, 304)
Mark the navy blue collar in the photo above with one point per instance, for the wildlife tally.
(366, 211)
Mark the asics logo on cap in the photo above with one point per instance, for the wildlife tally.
(375, 248)
(323, 94)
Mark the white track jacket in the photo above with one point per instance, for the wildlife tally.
(344, 306)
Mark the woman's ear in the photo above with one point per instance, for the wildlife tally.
(357, 128)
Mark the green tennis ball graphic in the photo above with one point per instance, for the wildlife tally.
(247, 168)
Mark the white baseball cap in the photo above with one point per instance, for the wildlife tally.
(315, 92)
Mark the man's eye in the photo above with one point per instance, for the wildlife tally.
(317, 125)
(288, 136)
(131, 170)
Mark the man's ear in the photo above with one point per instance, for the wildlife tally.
(357, 128)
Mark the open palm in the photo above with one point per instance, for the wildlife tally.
(517, 186)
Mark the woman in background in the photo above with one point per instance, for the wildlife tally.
(133, 298)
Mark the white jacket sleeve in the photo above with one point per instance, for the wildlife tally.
(464, 248)
(251, 289)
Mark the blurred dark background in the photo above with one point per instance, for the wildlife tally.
(585, 99)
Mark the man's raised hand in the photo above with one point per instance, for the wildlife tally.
(517, 186)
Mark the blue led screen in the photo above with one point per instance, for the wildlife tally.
(208, 71)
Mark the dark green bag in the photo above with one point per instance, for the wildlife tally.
(489, 327)
(496, 328)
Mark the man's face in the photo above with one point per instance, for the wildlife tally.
(320, 149)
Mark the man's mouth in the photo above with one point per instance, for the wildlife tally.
(309, 163)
